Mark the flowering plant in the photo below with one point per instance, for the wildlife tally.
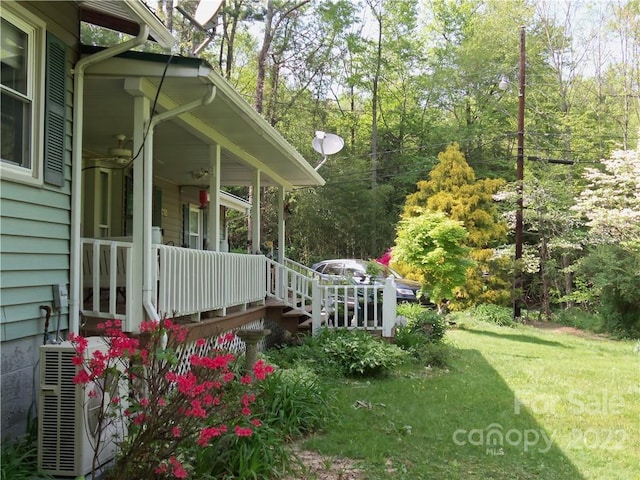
(169, 404)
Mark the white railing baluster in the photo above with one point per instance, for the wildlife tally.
(188, 282)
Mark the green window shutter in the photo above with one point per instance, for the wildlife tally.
(205, 228)
(54, 120)
(185, 226)
(156, 213)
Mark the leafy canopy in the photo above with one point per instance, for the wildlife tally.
(433, 244)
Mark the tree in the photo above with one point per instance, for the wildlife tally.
(611, 269)
(610, 203)
(452, 188)
(433, 245)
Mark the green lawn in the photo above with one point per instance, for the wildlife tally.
(516, 403)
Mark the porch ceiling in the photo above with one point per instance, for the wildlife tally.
(182, 145)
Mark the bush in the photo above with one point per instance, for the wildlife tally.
(578, 318)
(489, 313)
(263, 455)
(611, 272)
(294, 401)
(436, 355)
(357, 353)
(309, 354)
(18, 460)
(422, 322)
(171, 410)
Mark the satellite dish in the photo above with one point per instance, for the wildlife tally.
(326, 144)
(206, 10)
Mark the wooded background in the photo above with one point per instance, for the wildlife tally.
(405, 80)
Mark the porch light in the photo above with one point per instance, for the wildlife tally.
(200, 174)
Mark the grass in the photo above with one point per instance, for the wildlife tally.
(515, 403)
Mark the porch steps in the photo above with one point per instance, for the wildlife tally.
(293, 319)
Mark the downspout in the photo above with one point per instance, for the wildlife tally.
(147, 284)
(76, 166)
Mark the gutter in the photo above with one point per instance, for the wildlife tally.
(148, 280)
(76, 167)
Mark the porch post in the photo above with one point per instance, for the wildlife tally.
(255, 213)
(281, 224)
(214, 223)
(134, 298)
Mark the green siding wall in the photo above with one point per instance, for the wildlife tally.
(35, 220)
(34, 250)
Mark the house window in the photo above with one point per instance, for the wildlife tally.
(21, 84)
(195, 227)
(104, 211)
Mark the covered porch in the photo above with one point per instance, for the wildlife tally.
(215, 292)
(158, 132)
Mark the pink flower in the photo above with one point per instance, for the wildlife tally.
(208, 433)
(261, 369)
(175, 431)
(243, 432)
(82, 378)
(246, 380)
(144, 402)
(201, 342)
(256, 422)
(178, 470)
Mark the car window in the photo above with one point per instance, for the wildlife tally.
(333, 269)
(354, 271)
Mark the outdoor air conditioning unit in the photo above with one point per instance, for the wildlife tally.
(68, 415)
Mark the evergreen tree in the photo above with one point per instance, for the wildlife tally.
(452, 188)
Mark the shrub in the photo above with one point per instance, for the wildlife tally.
(170, 407)
(295, 401)
(422, 322)
(309, 354)
(410, 340)
(436, 355)
(18, 459)
(490, 313)
(358, 353)
(578, 318)
(611, 271)
(263, 455)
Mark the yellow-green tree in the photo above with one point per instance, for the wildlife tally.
(452, 188)
(432, 244)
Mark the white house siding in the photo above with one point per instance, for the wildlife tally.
(34, 252)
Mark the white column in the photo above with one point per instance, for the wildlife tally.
(281, 224)
(140, 119)
(214, 223)
(255, 213)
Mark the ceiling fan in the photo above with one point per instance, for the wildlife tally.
(119, 154)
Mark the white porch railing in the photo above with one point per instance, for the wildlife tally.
(188, 282)
(193, 281)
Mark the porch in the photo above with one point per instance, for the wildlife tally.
(215, 292)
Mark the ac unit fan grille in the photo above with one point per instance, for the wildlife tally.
(59, 423)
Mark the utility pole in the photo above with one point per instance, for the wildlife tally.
(517, 279)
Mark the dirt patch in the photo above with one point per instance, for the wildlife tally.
(321, 467)
(557, 328)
